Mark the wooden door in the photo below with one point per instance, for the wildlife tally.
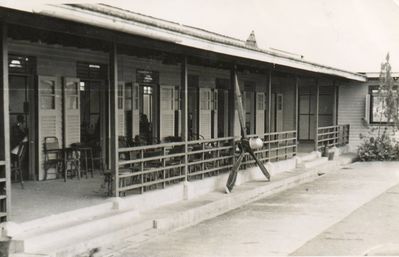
(205, 113)
(260, 114)
(50, 115)
(166, 112)
(71, 111)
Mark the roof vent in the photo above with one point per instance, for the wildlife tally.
(251, 41)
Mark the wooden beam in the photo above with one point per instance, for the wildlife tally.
(184, 88)
(113, 91)
(5, 117)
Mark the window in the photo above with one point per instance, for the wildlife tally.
(205, 103)
(72, 95)
(378, 105)
(20, 64)
(177, 98)
(47, 93)
(120, 96)
(215, 100)
(260, 102)
(136, 97)
(279, 102)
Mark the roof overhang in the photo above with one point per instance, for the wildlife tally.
(177, 34)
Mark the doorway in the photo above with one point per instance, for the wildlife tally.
(91, 116)
(22, 111)
(307, 111)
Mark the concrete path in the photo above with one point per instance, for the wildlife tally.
(278, 225)
(372, 229)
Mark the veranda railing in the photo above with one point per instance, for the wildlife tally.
(277, 146)
(151, 167)
(332, 136)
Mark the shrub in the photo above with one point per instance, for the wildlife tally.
(379, 148)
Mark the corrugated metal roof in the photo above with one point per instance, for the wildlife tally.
(134, 23)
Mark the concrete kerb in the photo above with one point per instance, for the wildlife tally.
(238, 199)
(242, 195)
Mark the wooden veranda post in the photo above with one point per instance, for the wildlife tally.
(316, 143)
(296, 110)
(335, 109)
(232, 109)
(335, 116)
(113, 91)
(184, 87)
(5, 126)
(269, 115)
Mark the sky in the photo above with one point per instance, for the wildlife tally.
(354, 35)
(349, 34)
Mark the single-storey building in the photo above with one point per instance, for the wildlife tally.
(145, 104)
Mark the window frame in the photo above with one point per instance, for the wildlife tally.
(372, 95)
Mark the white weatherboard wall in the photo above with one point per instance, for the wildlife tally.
(351, 110)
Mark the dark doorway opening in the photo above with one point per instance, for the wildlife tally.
(22, 111)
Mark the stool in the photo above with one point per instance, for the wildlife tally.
(86, 154)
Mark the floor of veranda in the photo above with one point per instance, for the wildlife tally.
(44, 198)
(39, 199)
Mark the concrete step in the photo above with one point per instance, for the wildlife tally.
(47, 239)
(308, 157)
(313, 163)
(59, 220)
(83, 245)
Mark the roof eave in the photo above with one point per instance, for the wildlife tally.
(135, 28)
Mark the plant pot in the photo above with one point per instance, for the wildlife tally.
(4, 245)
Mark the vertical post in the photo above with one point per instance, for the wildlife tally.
(232, 102)
(317, 115)
(184, 88)
(334, 116)
(296, 112)
(5, 129)
(113, 91)
(232, 110)
(269, 114)
(335, 113)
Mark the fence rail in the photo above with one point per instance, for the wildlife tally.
(145, 168)
(276, 146)
(332, 136)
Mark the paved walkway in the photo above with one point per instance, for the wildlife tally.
(372, 229)
(278, 225)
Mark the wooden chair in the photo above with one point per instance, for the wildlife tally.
(53, 155)
(16, 162)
